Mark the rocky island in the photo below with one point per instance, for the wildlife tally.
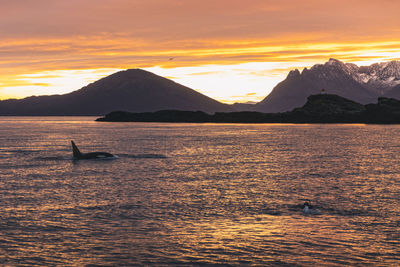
(320, 108)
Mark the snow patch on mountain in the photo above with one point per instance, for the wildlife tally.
(378, 78)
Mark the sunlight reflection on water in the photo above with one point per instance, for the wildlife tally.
(198, 194)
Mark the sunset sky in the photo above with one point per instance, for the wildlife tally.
(230, 50)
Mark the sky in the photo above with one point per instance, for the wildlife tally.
(230, 50)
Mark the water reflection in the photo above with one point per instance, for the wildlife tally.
(196, 194)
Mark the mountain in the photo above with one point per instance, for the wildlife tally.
(393, 93)
(137, 90)
(133, 90)
(362, 84)
(379, 78)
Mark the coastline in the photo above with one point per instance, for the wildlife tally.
(322, 108)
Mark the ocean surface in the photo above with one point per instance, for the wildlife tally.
(198, 194)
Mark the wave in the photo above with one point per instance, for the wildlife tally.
(19, 151)
(53, 158)
(289, 209)
(143, 156)
(132, 156)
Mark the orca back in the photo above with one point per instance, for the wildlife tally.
(77, 154)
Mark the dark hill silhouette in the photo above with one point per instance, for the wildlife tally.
(321, 108)
(133, 90)
(328, 104)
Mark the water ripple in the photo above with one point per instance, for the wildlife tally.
(189, 194)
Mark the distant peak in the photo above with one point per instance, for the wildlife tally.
(133, 73)
(136, 70)
(333, 61)
(294, 73)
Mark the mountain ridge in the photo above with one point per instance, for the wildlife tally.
(362, 84)
(132, 90)
(137, 90)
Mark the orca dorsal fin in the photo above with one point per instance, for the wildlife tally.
(77, 154)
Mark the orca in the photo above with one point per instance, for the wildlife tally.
(92, 155)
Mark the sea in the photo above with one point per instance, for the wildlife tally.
(182, 194)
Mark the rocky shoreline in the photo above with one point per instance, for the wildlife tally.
(321, 108)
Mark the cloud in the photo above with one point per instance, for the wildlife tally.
(205, 73)
(108, 52)
(19, 82)
(172, 20)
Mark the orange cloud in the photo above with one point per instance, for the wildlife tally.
(17, 82)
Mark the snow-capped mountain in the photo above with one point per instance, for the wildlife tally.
(378, 78)
(362, 84)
